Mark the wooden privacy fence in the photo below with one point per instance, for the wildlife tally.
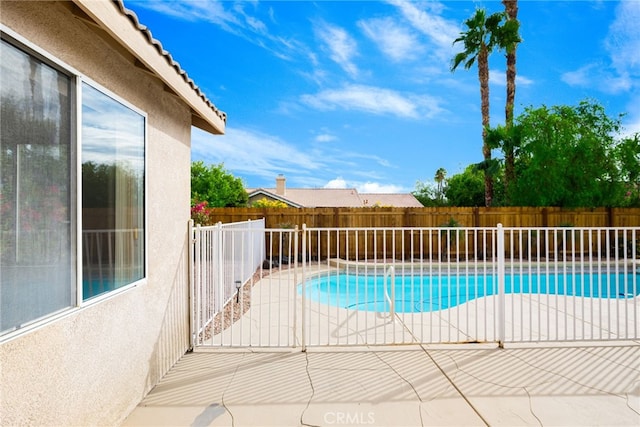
(473, 238)
(432, 217)
(455, 244)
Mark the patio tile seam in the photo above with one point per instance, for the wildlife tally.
(407, 382)
(454, 385)
(224, 405)
(495, 383)
(444, 373)
(635, 392)
(313, 392)
(524, 388)
(531, 410)
(566, 378)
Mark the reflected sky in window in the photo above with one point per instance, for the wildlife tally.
(111, 132)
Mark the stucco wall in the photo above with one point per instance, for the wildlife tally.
(94, 365)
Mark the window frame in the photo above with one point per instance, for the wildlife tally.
(113, 96)
(77, 79)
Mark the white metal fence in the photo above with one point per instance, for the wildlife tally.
(225, 258)
(360, 286)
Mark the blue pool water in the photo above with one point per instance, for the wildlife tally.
(426, 293)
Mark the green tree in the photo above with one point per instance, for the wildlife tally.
(567, 158)
(98, 182)
(628, 156)
(439, 177)
(479, 40)
(216, 186)
(508, 140)
(427, 194)
(466, 188)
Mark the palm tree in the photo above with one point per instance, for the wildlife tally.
(479, 40)
(441, 173)
(508, 40)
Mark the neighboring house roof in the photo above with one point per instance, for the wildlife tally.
(150, 56)
(259, 193)
(405, 200)
(312, 197)
(330, 197)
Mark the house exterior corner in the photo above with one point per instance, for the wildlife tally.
(90, 360)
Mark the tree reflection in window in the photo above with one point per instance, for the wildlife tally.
(113, 147)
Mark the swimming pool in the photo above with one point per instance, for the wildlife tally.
(425, 293)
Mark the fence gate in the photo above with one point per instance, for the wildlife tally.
(257, 287)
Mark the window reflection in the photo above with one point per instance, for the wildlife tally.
(38, 187)
(112, 193)
(37, 262)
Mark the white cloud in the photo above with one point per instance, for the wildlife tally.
(251, 22)
(632, 127)
(523, 81)
(599, 76)
(631, 121)
(341, 46)
(202, 10)
(622, 74)
(374, 100)
(251, 153)
(364, 187)
(579, 77)
(623, 40)
(395, 41)
(339, 182)
(235, 20)
(498, 77)
(254, 153)
(256, 24)
(623, 45)
(376, 187)
(325, 137)
(441, 32)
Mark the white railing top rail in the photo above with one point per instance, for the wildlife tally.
(437, 228)
(241, 224)
(110, 230)
(445, 227)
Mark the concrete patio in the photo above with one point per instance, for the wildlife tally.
(456, 385)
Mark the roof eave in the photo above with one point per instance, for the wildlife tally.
(123, 26)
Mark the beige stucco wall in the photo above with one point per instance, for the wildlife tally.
(93, 366)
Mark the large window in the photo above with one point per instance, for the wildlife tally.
(112, 193)
(40, 203)
(37, 251)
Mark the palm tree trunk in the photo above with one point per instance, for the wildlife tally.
(483, 76)
(511, 8)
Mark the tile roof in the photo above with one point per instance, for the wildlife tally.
(404, 200)
(337, 198)
(133, 18)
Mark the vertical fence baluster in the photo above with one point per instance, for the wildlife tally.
(501, 299)
(303, 317)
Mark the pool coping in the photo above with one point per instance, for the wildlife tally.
(381, 266)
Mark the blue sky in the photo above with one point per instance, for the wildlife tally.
(359, 94)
